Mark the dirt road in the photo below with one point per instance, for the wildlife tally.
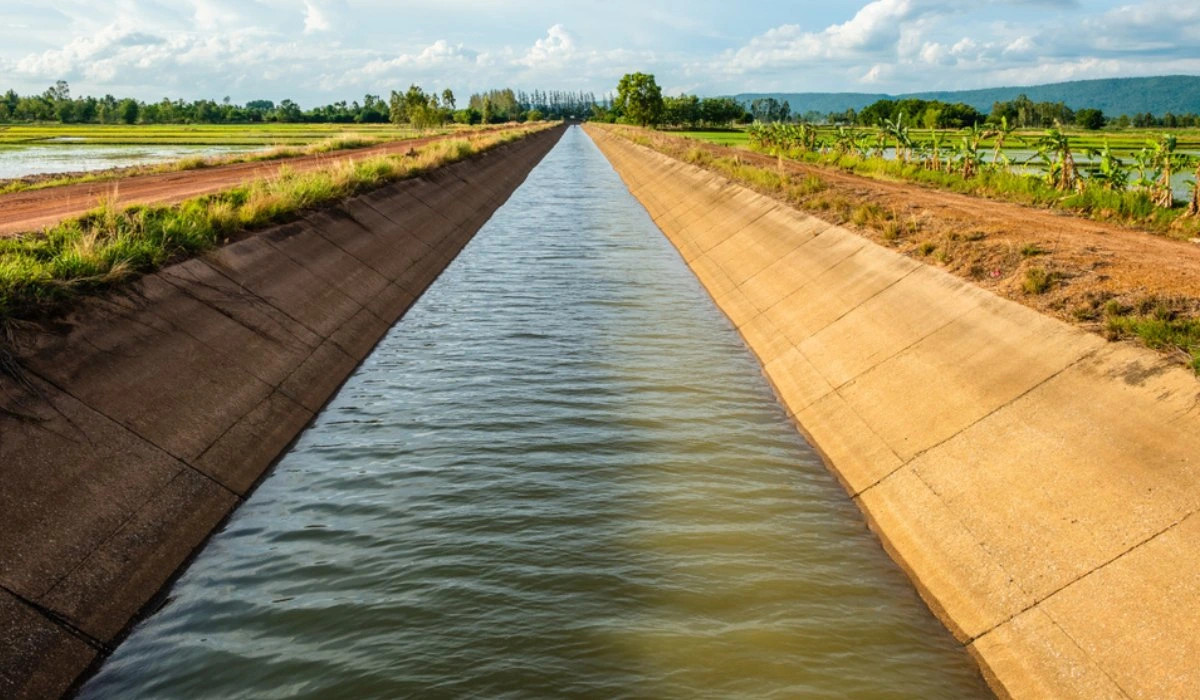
(994, 243)
(32, 210)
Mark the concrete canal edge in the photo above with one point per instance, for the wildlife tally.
(131, 428)
(1037, 484)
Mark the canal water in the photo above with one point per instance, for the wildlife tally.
(562, 474)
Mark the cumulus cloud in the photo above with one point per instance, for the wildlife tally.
(315, 19)
(321, 50)
(895, 42)
(557, 46)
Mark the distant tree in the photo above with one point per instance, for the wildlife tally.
(128, 111)
(682, 111)
(397, 109)
(534, 116)
(467, 116)
(64, 111)
(422, 109)
(1089, 118)
(640, 99)
(289, 112)
(877, 112)
(721, 111)
(448, 99)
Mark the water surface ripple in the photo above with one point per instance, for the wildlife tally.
(561, 475)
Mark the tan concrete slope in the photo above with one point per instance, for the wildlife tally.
(1039, 485)
(133, 426)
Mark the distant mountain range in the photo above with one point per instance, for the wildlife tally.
(1179, 94)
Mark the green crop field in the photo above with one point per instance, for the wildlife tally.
(722, 138)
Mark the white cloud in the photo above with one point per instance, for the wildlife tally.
(324, 50)
(556, 46)
(315, 19)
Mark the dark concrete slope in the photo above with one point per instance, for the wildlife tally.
(134, 425)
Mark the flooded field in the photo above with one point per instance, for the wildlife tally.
(68, 157)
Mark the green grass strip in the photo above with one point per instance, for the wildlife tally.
(40, 272)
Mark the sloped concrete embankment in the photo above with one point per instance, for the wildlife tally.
(1039, 485)
(133, 426)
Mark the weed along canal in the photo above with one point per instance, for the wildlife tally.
(562, 474)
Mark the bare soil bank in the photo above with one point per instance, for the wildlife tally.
(133, 426)
(1037, 483)
(22, 212)
(994, 244)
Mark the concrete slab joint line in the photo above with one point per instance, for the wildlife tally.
(115, 471)
(1035, 482)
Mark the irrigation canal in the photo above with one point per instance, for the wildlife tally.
(562, 474)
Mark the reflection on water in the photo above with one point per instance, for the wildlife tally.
(23, 161)
(561, 475)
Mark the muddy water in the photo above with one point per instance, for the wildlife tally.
(561, 475)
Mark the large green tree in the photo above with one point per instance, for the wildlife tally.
(640, 99)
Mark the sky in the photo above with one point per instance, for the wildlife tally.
(319, 51)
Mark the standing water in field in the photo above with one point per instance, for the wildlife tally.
(562, 474)
(23, 161)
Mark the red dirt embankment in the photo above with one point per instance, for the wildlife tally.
(31, 210)
(992, 243)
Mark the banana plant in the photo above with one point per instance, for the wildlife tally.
(1143, 165)
(862, 144)
(1165, 160)
(843, 140)
(968, 158)
(1194, 207)
(934, 161)
(1001, 134)
(1110, 171)
(898, 130)
(1055, 151)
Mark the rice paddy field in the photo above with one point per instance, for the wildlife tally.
(41, 150)
(264, 135)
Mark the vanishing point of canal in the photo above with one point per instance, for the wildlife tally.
(562, 474)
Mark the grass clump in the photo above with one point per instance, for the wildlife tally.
(108, 245)
(1160, 325)
(1031, 250)
(1038, 280)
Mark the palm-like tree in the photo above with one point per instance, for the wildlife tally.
(1194, 207)
(933, 155)
(863, 143)
(843, 140)
(1165, 158)
(1055, 151)
(898, 130)
(1000, 134)
(1110, 171)
(968, 158)
(1143, 165)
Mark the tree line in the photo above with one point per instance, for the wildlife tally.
(639, 100)
(414, 106)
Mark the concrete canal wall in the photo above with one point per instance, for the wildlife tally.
(1038, 484)
(130, 428)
